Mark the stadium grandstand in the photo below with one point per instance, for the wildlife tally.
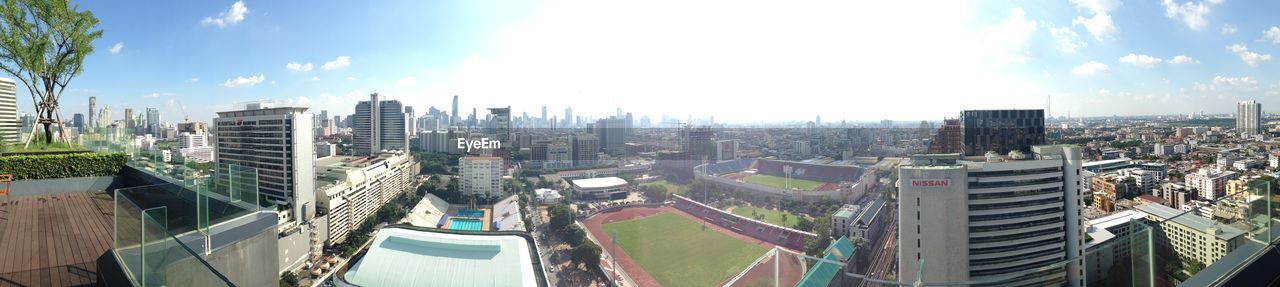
(816, 179)
(778, 235)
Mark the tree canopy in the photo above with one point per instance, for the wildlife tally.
(43, 44)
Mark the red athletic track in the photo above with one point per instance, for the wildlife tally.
(790, 270)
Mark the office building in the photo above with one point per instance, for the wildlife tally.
(129, 121)
(454, 118)
(104, 117)
(9, 126)
(986, 219)
(278, 143)
(379, 126)
(153, 121)
(1249, 118)
(77, 120)
(949, 139)
(481, 176)
(586, 150)
(434, 141)
(500, 125)
(1001, 131)
(349, 189)
(93, 109)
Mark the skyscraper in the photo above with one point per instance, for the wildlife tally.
(964, 220)
(1249, 118)
(543, 119)
(612, 133)
(93, 110)
(568, 117)
(153, 121)
(278, 142)
(1001, 131)
(9, 125)
(128, 118)
(378, 125)
(77, 120)
(104, 117)
(501, 125)
(454, 118)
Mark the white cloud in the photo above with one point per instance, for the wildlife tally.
(1089, 68)
(340, 62)
(406, 82)
(1104, 92)
(1191, 13)
(240, 82)
(120, 46)
(193, 80)
(1099, 24)
(1009, 39)
(1044, 73)
(1251, 58)
(157, 95)
(315, 78)
(1235, 82)
(351, 78)
(1066, 38)
(298, 67)
(1272, 35)
(1144, 61)
(1183, 59)
(1228, 29)
(234, 14)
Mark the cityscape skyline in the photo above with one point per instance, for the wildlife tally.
(999, 56)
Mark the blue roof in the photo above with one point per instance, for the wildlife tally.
(822, 273)
(870, 212)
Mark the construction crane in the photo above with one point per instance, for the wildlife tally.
(185, 117)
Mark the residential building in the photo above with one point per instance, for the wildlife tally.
(10, 128)
(949, 139)
(1002, 131)
(1249, 118)
(1191, 236)
(1004, 220)
(153, 121)
(481, 176)
(349, 189)
(1209, 184)
(278, 143)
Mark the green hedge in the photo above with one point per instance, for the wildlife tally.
(62, 165)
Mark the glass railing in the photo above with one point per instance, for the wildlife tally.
(151, 255)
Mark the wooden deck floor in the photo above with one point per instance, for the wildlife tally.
(53, 240)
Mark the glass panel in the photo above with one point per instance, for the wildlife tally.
(128, 235)
(168, 262)
(154, 245)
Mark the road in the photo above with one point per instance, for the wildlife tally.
(884, 262)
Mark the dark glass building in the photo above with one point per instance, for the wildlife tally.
(1002, 131)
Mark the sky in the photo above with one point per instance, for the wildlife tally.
(739, 61)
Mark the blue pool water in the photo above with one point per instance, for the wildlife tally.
(465, 224)
(472, 213)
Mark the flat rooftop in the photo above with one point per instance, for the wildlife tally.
(599, 182)
(405, 257)
(54, 239)
(1190, 220)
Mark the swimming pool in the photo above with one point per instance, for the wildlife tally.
(472, 213)
(466, 224)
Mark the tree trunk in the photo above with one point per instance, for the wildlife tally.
(48, 127)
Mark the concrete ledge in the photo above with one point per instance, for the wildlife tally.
(62, 185)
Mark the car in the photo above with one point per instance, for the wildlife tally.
(551, 269)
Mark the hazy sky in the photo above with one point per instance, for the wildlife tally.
(741, 61)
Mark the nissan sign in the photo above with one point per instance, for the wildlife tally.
(929, 183)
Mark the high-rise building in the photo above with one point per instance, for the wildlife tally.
(128, 118)
(93, 109)
(9, 125)
(77, 120)
(612, 133)
(104, 117)
(153, 121)
(27, 122)
(410, 125)
(1008, 218)
(1249, 118)
(586, 149)
(568, 117)
(454, 118)
(278, 143)
(379, 125)
(501, 124)
(355, 187)
(1002, 131)
(481, 176)
(949, 138)
(1210, 184)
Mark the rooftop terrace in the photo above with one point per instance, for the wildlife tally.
(53, 240)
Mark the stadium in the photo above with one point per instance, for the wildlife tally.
(806, 180)
(686, 243)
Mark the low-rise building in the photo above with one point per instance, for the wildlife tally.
(600, 188)
(1190, 236)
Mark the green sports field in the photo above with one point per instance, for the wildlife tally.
(781, 182)
(677, 251)
(770, 215)
(672, 187)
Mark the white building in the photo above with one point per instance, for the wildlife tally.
(1108, 242)
(9, 124)
(1209, 184)
(548, 196)
(326, 149)
(600, 188)
(986, 218)
(1191, 236)
(350, 189)
(842, 219)
(481, 176)
(1249, 118)
(278, 143)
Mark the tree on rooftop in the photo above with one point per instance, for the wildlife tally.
(43, 43)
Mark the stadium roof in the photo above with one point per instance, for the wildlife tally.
(822, 273)
(413, 257)
(599, 182)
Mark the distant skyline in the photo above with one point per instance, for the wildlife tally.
(739, 62)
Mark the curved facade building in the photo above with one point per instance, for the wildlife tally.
(1000, 220)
